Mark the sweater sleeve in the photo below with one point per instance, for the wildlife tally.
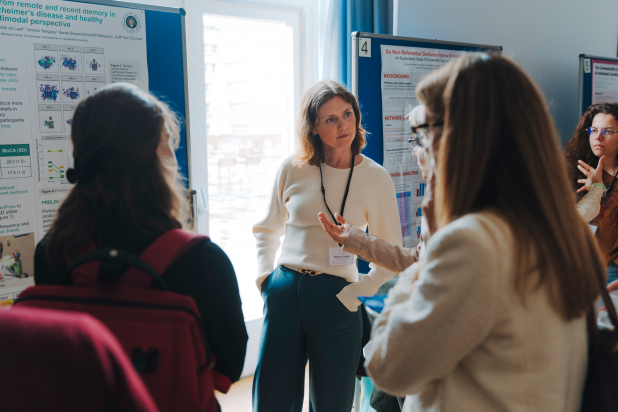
(383, 220)
(429, 326)
(268, 231)
(590, 205)
(373, 249)
(206, 274)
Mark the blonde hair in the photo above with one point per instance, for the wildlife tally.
(310, 150)
(497, 146)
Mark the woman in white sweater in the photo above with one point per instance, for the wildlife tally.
(310, 298)
(492, 317)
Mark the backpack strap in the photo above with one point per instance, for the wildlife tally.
(160, 255)
(87, 273)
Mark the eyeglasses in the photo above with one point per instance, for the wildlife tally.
(593, 131)
(422, 135)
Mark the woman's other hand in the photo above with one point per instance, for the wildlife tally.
(592, 175)
(338, 233)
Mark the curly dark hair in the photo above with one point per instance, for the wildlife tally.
(578, 147)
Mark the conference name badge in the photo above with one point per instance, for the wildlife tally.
(338, 257)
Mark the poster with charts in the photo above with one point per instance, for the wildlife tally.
(53, 54)
(402, 69)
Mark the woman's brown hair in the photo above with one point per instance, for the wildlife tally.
(578, 148)
(310, 150)
(120, 177)
(497, 147)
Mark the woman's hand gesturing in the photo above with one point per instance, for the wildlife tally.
(592, 175)
(338, 233)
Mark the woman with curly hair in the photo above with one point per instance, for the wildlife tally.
(593, 151)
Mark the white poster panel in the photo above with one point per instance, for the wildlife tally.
(604, 81)
(402, 69)
(52, 55)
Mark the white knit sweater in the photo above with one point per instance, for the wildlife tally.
(461, 339)
(293, 211)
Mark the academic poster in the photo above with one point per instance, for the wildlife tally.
(604, 81)
(53, 54)
(402, 69)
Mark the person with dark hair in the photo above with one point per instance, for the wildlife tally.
(127, 193)
(593, 151)
(311, 298)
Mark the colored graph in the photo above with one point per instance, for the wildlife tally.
(56, 161)
(420, 188)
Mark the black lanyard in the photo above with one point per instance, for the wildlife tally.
(345, 196)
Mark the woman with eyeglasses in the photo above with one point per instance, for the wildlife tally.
(492, 317)
(593, 151)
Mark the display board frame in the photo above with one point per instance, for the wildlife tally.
(369, 93)
(586, 78)
(183, 153)
(366, 85)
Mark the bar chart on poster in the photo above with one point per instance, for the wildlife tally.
(53, 54)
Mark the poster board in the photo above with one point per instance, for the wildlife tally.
(53, 54)
(385, 71)
(598, 81)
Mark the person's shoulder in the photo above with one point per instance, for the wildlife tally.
(287, 163)
(482, 234)
(203, 264)
(374, 169)
(206, 250)
(290, 166)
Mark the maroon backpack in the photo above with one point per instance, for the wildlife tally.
(161, 331)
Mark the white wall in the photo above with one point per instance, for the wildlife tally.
(545, 37)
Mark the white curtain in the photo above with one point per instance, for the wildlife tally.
(331, 28)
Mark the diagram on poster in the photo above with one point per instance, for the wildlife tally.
(72, 89)
(47, 67)
(95, 60)
(71, 59)
(49, 88)
(94, 83)
(402, 69)
(46, 58)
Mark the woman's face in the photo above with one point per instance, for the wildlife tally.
(604, 145)
(336, 123)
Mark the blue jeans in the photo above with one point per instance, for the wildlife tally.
(612, 272)
(304, 320)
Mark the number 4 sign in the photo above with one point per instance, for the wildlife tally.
(364, 47)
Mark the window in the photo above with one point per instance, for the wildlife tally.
(242, 121)
(248, 133)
